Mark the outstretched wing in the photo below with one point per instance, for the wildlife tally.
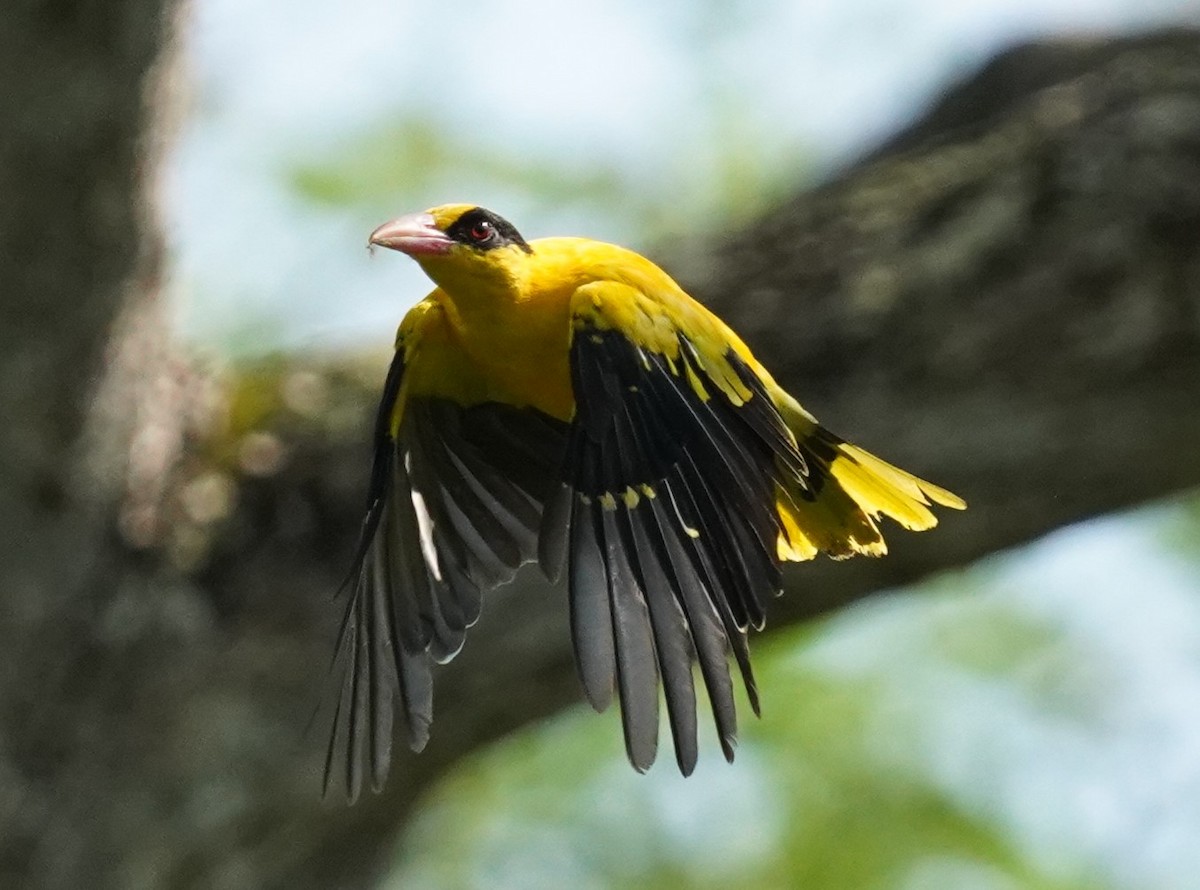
(666, 516)
(454, 508)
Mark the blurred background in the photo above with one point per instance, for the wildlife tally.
(610, 119)
(1030, 721)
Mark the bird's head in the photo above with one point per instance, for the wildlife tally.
(460, 246)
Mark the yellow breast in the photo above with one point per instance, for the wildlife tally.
(514, 326)
(508, 314)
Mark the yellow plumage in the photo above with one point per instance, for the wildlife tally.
(564, 400)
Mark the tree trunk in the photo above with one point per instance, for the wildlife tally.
(1005, 299)
(80, 131)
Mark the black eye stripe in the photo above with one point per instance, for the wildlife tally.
(484, 230)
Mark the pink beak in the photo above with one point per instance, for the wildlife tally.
(415, 234)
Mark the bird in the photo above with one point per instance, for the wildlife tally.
(563, 401)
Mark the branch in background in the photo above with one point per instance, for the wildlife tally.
(1006, 301)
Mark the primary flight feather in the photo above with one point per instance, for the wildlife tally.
(563, 400)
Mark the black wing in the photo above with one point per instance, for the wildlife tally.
(667, 511)
(454, 508)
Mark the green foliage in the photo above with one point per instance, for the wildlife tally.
(843, 784)
(400, 162)
(403, 158)
(1182, 533)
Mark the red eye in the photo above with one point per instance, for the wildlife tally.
(481, 231)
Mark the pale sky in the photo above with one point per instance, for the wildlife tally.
(613, 80)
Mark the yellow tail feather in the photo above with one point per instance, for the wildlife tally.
(880, 488)
(835, 509)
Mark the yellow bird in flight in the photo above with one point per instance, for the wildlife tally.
(563, 400)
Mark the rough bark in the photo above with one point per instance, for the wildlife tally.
(1005, 299)
(78, 250)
